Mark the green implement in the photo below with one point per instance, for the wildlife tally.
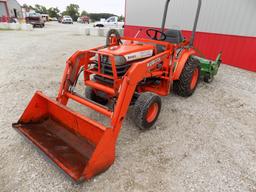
(209, 68)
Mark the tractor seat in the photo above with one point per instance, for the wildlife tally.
(174, 36)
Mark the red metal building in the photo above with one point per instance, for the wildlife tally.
(228, 26)
(10, 9)
(4, 13)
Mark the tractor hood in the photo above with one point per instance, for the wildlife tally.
(131, 52)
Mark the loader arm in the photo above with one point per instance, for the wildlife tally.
(136, 74)
(125, 93)
(73, 66)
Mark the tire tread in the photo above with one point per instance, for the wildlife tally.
(182, 86)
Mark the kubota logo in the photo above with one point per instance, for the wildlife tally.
(151, 63)
(131, 57)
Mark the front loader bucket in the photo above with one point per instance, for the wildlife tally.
(79, 146)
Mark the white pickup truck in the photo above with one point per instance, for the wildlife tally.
(110, 22)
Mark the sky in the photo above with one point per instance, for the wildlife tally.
(91, 6)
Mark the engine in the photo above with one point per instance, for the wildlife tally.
(125, 56)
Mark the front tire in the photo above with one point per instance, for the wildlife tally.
(189, 78)
(146, 110)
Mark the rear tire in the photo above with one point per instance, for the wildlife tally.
(100, 26)
(146, 110)
(92, 95)
(189, 78)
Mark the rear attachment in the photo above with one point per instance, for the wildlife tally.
(74, 142)
(209, 68)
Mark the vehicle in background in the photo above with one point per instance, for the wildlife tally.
(53, 19)
(59, 19)
(67, 20)
(110, 22)
(35, 19)
(13, 20)
(83, 19)
(45, 17)
(79, 20)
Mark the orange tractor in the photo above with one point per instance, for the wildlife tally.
(124, 72)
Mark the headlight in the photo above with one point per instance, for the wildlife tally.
(120, 60)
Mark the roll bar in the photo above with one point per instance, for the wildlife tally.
(195, 22)
(165, 14)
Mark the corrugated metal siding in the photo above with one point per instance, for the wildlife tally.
(235, 17)
(238, 51)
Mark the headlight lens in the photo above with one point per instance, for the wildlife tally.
(120, 60)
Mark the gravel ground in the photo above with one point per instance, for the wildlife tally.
(204, 143)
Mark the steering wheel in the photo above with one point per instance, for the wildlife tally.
(113, 38)
(158, 35)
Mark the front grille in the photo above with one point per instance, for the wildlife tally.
(106, 67)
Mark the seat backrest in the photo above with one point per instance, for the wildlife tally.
(174, 36)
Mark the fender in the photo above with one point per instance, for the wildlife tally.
(181, 63)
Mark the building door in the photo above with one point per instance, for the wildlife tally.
(15, 13)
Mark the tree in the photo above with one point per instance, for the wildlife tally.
(84, 13)
(40, 9)
(121, 18)
(27, 7)
(53, 12)
(73, 11)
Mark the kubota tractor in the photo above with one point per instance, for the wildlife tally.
(123, 72)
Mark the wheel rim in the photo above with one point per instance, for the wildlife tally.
(194, 79)
(152, 112)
